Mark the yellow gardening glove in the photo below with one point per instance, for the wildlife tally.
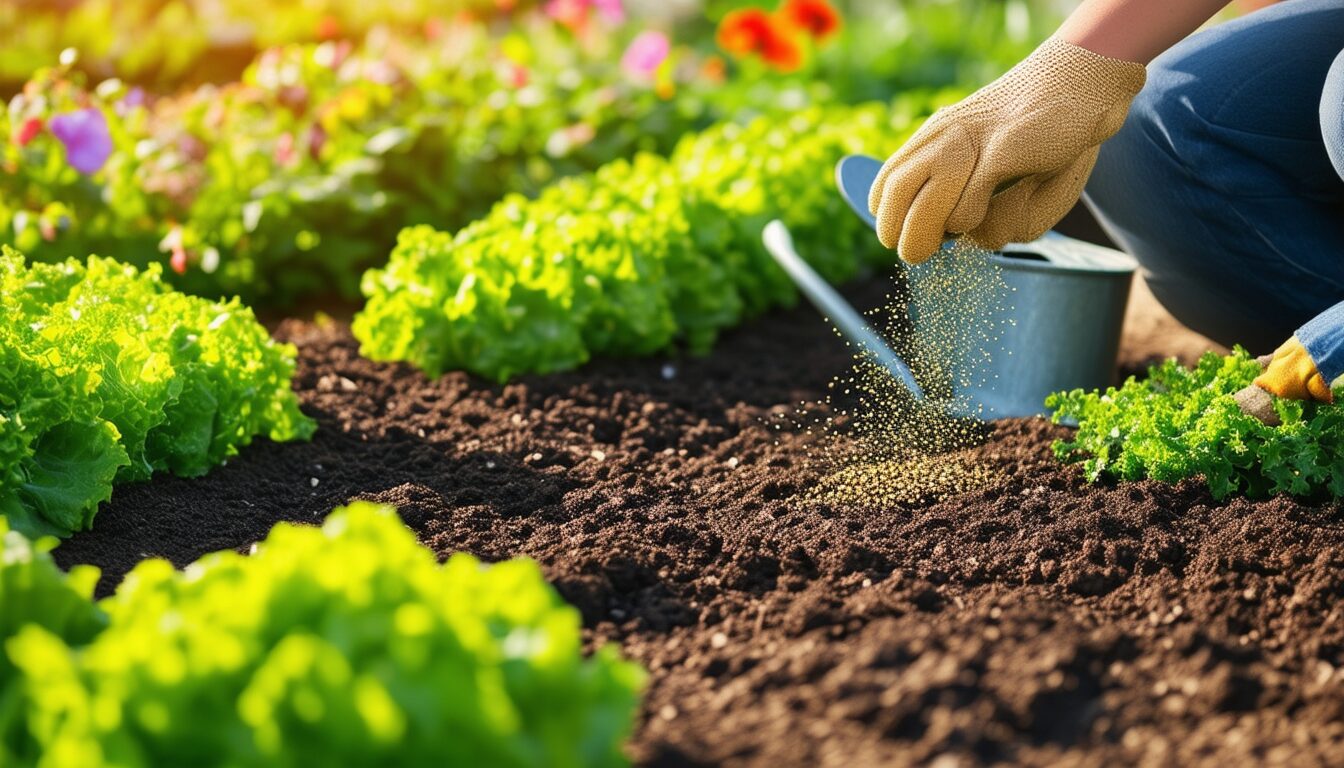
(1031, 136)
(1292, 373)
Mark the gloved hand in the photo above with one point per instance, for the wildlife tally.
(1031, 136)
(1292, 373)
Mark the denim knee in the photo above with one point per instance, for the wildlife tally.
(1332, 114)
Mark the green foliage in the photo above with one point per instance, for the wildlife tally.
(294, 180)
(631, 259)
(107, 375)
(1180, 423)
(34, 592)
(341, 645)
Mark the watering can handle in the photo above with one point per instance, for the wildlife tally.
(779, 243)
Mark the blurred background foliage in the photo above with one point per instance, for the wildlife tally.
(274, 150)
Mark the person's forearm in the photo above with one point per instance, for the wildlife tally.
(1324, 339)
(1135, 30)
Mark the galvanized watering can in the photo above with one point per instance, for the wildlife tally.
(1063, 325)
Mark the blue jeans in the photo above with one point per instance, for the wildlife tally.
(1227, 180)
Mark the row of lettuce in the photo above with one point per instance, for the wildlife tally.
(293, 177)
(108, 376)
(341, 645)
(639, 257)
(1178, 423)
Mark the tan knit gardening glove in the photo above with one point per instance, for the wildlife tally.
(1031, 136)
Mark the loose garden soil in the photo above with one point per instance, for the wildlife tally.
(1040, 620)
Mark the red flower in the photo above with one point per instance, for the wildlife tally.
(753, 31)
(783, 53)
(179, 260)
(745, 31)
(817, 18)
(28, 131)
(328, 27)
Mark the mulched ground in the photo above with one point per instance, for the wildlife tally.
(1041, 621)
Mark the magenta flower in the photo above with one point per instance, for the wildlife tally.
(88, 143)
(646, 53)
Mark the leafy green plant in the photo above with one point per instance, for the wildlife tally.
(634, 258)
(107, 375)
(341, 645)
(297, 178)
(34, 592)
(1179, 423)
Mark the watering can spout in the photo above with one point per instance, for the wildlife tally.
(779, 242)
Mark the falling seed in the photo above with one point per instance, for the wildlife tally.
(598, 455)
(669, 371)
(874, 443)
(732, 463)
(718, 640)
(313, 481)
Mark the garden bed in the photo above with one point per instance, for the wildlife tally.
(1040, 620)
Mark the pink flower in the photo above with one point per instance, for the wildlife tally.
(574, 13)
(317, 139)
(88, 143)
(571, 13)
(612, 10)
(284, 149)
(646, 53)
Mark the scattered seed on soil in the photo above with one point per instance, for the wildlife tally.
(908, 483)
(877, 448)
(897, 673)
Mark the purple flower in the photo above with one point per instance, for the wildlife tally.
(135, 97)
(87, 141)
(646, 53)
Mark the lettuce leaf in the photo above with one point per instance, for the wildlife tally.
(347, 644)
(107, 376)
(642, 255)
(1181, 422)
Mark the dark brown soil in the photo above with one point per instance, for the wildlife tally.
(1042, 621)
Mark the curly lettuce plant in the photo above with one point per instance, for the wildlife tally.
(107, 376)
(1180, 422)
(347, 644)
(634, 258)
(35, 593)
